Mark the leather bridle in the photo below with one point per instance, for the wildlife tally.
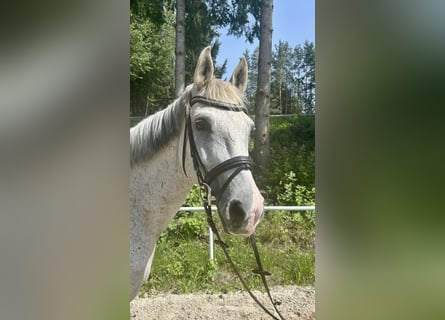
(206, 177)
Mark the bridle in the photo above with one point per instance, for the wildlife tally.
(206, 177)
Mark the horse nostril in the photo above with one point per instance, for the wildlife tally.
(237, 213)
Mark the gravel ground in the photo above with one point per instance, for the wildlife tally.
(296, 303)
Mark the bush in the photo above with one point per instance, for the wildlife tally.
(187, 225)
(291, 193)
(292, 162)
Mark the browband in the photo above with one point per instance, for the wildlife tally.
(217, 104)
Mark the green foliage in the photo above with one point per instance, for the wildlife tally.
(151, 62)
(152, 50)
(134, 121)
(150, 10)
(290, 177)
(151, 47)
(294, 194)
(187, 225)
(292, 78)
(194, 197)
(282, 229)
(200, 32)
(241, 17)
(285, 242)
(140, 55)
(181, 268)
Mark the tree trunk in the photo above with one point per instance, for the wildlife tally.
(180, 48)
(261, 150)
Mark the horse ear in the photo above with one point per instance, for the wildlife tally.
(204, 69)
(239, 76)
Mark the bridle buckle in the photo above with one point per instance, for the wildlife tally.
(208, 191)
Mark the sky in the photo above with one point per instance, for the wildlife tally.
(293, 21)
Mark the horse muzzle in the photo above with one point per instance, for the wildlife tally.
(240, 218)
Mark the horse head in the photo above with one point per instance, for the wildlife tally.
(219, 131)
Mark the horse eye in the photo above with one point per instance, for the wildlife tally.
(201, 124)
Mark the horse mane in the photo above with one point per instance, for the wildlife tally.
(155, 132)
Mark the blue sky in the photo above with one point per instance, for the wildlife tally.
(293, 21)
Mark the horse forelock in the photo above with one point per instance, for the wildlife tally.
(224, 91)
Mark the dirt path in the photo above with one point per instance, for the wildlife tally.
(297, 303)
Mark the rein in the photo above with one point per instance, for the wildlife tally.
(238, 163)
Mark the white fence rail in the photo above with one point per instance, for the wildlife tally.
(266, 208)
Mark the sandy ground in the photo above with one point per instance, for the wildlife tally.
(296, 303)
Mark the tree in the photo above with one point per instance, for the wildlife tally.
(152, 10)
(151, 59)
(292, 78)
(261, 150)
(282, 80)
(241, 17)
(304, 69)
(309, 78)
(199, 33)
(252, 79)
(180, 47)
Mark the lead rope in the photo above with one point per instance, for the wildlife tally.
(263, 273)
(260, 271)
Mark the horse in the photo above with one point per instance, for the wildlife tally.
(209, 113)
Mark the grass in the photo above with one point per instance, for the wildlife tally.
(181, 263)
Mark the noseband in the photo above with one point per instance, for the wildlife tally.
(238, 163)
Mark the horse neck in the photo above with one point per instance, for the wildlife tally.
(159, 186)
